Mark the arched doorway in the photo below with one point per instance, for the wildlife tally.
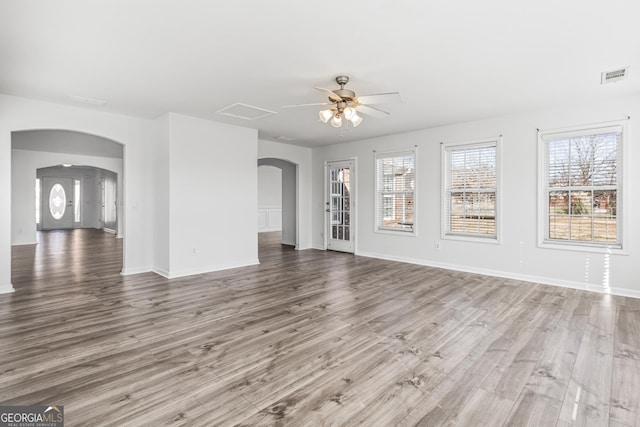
(80, 169)
(289, 198)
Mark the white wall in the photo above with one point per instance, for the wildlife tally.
(161, 224)
(302, 157)
(213, 196)
(138, 137)
(269, 186)
(23, 174)
(518, 256)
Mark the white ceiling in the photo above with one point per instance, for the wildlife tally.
(452, 61)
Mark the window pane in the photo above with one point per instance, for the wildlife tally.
(37, 200)
(57, 201)
(581, 203)
(559, 227)
(559, 202)
(581, 162)
(558, 160)
(605, 166)
(76, 198)
(581, 227)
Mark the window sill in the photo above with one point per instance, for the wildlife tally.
(396, 232)
(582, 248)
(473, 239)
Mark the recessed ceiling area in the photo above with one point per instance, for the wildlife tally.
(450, 61)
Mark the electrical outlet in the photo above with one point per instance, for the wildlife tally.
(193, 251)
(437, 246)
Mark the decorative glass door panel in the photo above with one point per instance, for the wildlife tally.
(340, 184)
(57, 204)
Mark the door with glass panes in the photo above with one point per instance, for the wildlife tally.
(57, 203)
(339, 206)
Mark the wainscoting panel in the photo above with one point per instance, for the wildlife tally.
(269, 218)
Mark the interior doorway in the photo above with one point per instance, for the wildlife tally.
(66, 184)
(288, 200)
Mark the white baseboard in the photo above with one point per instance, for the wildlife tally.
(203, 270)
(24, 243)
(269, 229)
(135, 270)
(161, 271)
(7, 289)
(508, 275)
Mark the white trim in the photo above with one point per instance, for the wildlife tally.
(7, 289)
(204, 270)
(110, 231)
(136, 270)
(632, 293)
(353, 206)
(576, 131)
(24, 243)
(476, 143)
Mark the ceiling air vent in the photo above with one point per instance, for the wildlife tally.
(244, 111)
(614, 75)
(284, 138)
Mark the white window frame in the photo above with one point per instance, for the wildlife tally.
(379, 194)
(445, 226)
(621, 191)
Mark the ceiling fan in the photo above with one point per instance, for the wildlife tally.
(344, 104)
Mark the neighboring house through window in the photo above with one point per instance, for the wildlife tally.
(395, 189)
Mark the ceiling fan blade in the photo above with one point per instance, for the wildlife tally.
(371, 111)
(332, 96)
(307, 105)
(380, 98)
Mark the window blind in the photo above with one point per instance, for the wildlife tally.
(470, 189)
(395, 190)
(582, 186)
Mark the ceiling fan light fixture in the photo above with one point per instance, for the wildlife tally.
(325, 115)
(349, 113)
(356, 120)
(336, 121)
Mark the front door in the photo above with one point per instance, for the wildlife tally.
(341, 185)
(57, 203)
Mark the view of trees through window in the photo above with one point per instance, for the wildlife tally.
(582, 188)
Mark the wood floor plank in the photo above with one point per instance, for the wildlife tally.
(588, 397)
(625, 400)
(308, 338)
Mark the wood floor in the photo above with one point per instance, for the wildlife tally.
(309, 338)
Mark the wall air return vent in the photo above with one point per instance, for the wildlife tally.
(614, 75)
(244, 111)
